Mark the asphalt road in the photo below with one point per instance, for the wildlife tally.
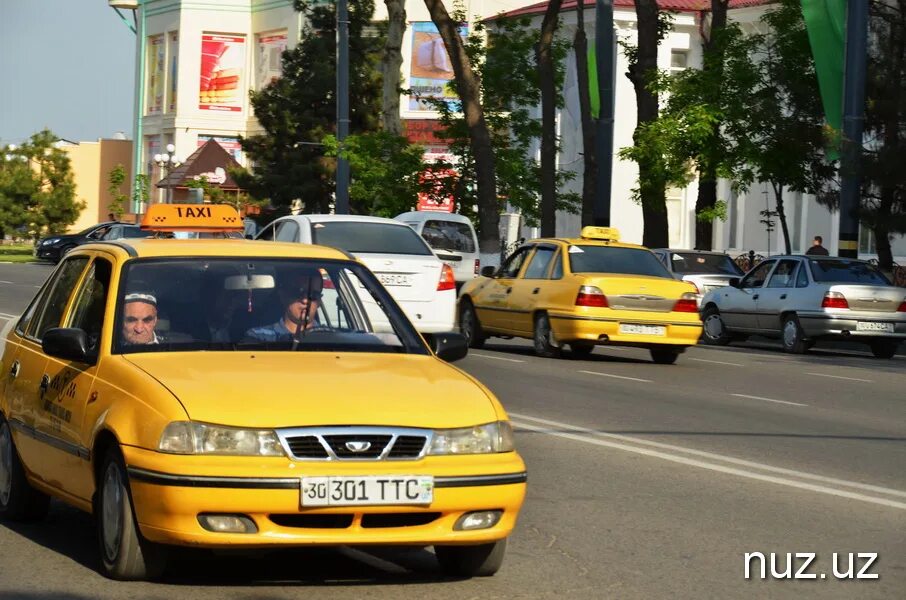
(645, 481)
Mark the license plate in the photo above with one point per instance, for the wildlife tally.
(395, 279)
(367, 490)
(883, 327)
(643, 329)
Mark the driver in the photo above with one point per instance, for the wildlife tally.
(300, 295)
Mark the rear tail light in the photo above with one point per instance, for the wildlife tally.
(447, 281)
(902, 307)
(687, 303)
(589, 295)
(834, 300)
(477, 266)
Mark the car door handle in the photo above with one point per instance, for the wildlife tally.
(45, 383)
(536, 290)
(14, 370)
(508, 290)
(755, 297)
(783, 296)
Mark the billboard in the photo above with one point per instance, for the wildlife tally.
(156, 66)
(437, 200)
(269, 58)
(230, 144)
(222, 66)
(174, 64)
(430, 69)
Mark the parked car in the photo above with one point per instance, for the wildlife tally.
(452, 237)
(401, 259)
(55, 247)
(706, 270)
(803, 299)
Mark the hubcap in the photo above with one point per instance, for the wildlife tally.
(714, 326)
(6, 464)
(790, 333)
(112, 512)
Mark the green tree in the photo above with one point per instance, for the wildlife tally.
(115, 180)
(298, 110)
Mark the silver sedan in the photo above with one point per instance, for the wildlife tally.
(802, 299)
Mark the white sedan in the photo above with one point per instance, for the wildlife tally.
(423, 286)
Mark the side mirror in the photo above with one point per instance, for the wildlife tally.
(448, 346)
(734, 282)
(68, 343)
(488, 271)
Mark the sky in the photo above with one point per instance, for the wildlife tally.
(68, 65)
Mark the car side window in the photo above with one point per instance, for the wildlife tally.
(756, 278)
(557, 270)
(52, 310)
(267, 233)
(513, 264)
(99, 233)
(91, 301)
(782, 277)
(802, 276)
(541, 260)
(114, 233)
(287, 231)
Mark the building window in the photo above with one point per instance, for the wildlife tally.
(867, 240)
(679, 61)
(733, 216)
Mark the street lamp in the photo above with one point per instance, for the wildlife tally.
(167, 162)
(138, 28)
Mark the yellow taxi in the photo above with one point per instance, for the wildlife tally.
(229, 393)
(581, 292)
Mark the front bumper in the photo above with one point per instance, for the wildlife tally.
(845, 326)
(47, 253)
(682, 329)
(169, 492)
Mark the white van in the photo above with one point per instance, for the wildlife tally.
(452, 238)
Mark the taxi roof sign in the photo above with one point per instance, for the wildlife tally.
(610, 234)
(192, 217)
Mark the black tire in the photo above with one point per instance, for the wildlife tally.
(714, 332)
(482, 560)
(792, 337)
(884, 348)
(19, 501)
(664, 356)
(542, 337)
(125, 554)
(470, 326)
(581, 349)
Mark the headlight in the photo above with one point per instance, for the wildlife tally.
(188, 437)
(50, 241)
(481, 439)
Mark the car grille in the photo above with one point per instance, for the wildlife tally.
(355, 443)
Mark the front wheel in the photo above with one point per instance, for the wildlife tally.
(663, 356)
(18, 500)
(543, 338)
(885, 348)
(482, 560)
(793, 337)
(125, 555)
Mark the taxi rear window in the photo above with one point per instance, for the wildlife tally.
(623, 261)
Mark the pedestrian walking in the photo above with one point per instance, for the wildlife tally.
(817, 248)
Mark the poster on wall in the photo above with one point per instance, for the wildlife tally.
(174, 57)
(230, 144)
(269, 58)
(156, 66)
(222, 63)
(430, 69)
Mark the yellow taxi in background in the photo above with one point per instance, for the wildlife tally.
(582, 292)
(229, 393)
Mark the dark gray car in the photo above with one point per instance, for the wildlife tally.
(803, 299)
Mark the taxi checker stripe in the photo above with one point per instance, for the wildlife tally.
(625, 320)
(282, 483)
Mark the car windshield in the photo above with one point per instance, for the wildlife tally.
(449, 235)
(363, 237)
(694, 262)
(605, 259)
(846, 271)
(230, 304)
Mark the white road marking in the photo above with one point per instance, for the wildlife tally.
(496, 357)
(716, 467)
(716, 362)
(617, 376)
(840, 377)
(9, 282)
(767, 399)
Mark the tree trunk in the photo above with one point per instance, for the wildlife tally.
(707, 169)
(391, 63)
(469, 89)
(590, 172)
(547, 82)
(781, 214)
(651, 185)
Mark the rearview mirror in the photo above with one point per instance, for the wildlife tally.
(249, 282)
(448, 346)
(488, 271)
(68, 343)
(733, 282)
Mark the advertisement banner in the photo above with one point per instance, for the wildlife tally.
(230, 144)
(436, 201)
(156, 66)
(222, 65)
(174, 57)
(269, 58)
(430, 69)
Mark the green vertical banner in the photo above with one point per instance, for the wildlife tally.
(825, 21)
(595, 99)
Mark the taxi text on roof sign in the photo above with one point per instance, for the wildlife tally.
(611, 234)
(192, 217)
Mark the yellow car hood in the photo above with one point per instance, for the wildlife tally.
(284, 389)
